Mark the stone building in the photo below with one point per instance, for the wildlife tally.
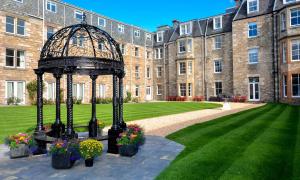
(251, 50)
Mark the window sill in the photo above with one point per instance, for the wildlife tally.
(159, 94)
(217, 72)
(16, 35)
(14, 68)
(295, 26)
(252, 63)
(297, 60)
(253, 37)
(296, 97)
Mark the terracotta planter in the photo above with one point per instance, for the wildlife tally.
(128, 150)
(89, 162)
(19, 152)
(62, 161)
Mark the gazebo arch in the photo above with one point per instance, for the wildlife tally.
(86, 50)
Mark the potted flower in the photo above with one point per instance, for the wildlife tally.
(64, 154)
(90, 149)
(19, 145)
(138, 131)
(127, 143)
(101, 126)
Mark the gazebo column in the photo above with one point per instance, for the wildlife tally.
(121, 100)
(93, 126)
(115, 130)
(70, 130)
(58, 128)
(39, 99)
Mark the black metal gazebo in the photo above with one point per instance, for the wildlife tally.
(86, 50)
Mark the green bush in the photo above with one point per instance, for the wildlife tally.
(128, 97)
(135, 100)
(77, 101)
(13, 101)
(48, 101)
(32, 91)
(103, 100)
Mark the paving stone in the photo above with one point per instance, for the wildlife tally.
(152, 158)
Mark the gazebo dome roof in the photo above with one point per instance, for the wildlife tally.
(81, 46)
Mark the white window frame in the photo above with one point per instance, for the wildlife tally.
(77, 12)
(51, 3)
(137, 33)
(179, 68)
(284, 51)
(249, 51)
(284, 85)
(104, 22)
(190, 67)
(292, 86)
(180, 94)
(15, 90)
(137, 91)
(283, 21)
(292, 42)
(158, 35)
(137, 72)
(216, 42)
(186, 28)
(190, 90)
(159, 73)
(220, 64)
(123, 49)
(53, 90)
(250, 24)
(182, 44)
(221, 22)
(158, 53)
(136, 51)
(215, 93)
(15, 58)
(121, 28)
(148, 75)
(77, 90)
(297, 25)
(248, 6)
(291, 1)
(148, 36)
(159, 93)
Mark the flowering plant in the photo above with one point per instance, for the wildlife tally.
(90, 149)
(133, 135)
(62, 147)
(100, 124)
(16, 140)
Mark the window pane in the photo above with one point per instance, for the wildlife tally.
(10, 89)
(10, 24)
(21, 27)
(9, 57)
(20, 59)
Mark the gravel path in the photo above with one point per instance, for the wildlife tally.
(165, 125)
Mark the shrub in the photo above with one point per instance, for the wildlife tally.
(103, 100)
(77, 101)
(135, 100)
(128, 97)
(133, 135)
(48, 101)
(216, 99)
(32, 91)
(13, 101)
(198, 98)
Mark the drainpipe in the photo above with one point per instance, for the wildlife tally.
(165, 80)
(204, 63)
(43, 23)
(275, 59)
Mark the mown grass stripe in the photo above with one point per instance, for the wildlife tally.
(270, 156)
(211, 160)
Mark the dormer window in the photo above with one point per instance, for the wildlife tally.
(121, 28)
(148, 37)
(78, 15)
(186, 28)
(137, 33)
(101, 22)
(253, 6)
(218, 23)
(160, 36)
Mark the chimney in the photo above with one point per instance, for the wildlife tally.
(175, 23)
(238, 3)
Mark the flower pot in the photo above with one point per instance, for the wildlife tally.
(62, 161)
(142, 141)
(100, 132)
(21, 151)
(128, 150)
(89, 162)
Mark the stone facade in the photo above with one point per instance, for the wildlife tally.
(159, 64)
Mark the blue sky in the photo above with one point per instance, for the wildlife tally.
(150, 14)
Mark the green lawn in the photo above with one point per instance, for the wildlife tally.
(20, 118)
(263, 143)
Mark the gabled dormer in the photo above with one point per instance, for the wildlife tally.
(252, 6)
(290, 1)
